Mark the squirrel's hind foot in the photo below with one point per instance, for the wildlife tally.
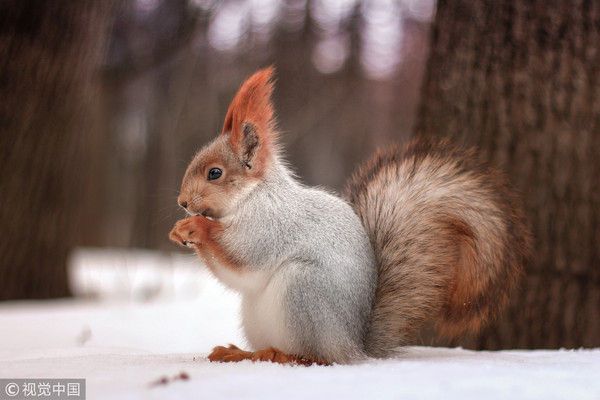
(235, 354)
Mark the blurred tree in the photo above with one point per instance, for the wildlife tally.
(174, 66)
(51, 53)
(147, 78)
(96, 159)
(520, 79)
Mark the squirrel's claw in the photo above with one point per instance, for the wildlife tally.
(193, 232)
(181, 233)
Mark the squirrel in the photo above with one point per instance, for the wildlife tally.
(428, 235)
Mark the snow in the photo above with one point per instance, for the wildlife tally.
(141, 317)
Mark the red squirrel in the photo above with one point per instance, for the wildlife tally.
(428, 235)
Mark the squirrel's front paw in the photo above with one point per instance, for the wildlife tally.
(188, 232)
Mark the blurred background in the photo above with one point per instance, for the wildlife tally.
(104, 102)
(172, 68)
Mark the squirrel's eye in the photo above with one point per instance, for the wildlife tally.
(214, 173)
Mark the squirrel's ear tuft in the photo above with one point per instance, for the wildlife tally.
(251, 107)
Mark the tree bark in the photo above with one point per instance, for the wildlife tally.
(51, 53)
(519, 79)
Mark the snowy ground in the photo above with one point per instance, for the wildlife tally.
(155, 317)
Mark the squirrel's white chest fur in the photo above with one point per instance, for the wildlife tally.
(262, 311)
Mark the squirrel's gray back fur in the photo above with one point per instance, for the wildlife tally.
(313, 244)
(449, 239)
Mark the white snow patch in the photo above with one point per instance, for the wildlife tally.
(122, 347)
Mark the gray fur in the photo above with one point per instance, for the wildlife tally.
(318, 243)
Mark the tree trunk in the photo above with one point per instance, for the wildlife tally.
(519, 79)
(50, 54)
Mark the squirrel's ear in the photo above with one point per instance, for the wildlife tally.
(249, 119)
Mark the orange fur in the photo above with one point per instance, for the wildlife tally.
(235, 354)
(252, 107)
(203, 234)
(214, 198)
(251, 103)
(460, 304)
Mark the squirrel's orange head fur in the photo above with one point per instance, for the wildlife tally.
(227, 168)
(252, 105)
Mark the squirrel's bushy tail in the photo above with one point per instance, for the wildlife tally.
(449, 238)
